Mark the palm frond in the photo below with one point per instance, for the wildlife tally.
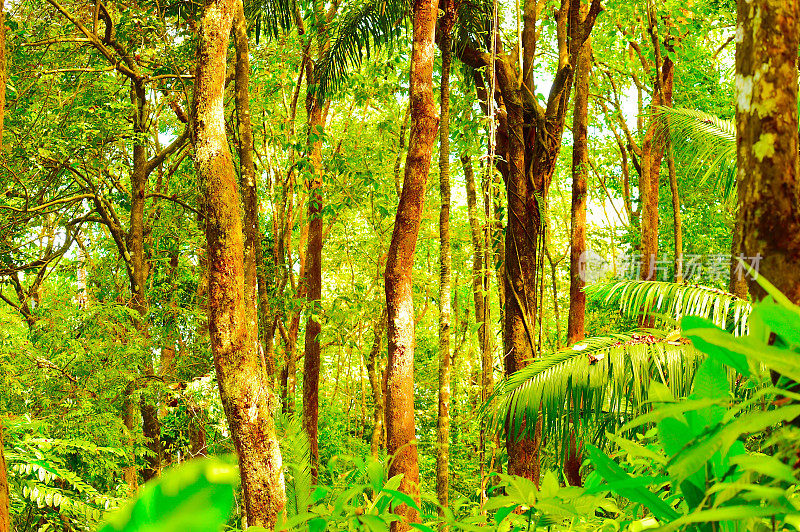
(473, 26)
(269, 17)
(361, 27)
(601, 379)
(706, 142)
(660, 299)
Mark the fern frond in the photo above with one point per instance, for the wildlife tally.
(600, 380)
(297, 459)
(361, 27)
(637, 298)
(707, 142)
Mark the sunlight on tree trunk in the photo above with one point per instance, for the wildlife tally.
(766, 116)
(580, 171)
(247, 399)
(400, 432)
(5, 503)
(445, 267)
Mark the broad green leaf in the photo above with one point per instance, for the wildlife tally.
(194, 497)
(613, 472)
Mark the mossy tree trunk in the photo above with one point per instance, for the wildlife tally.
(767, 154)
(5, 503)
(580, 171)
(400, 434)
(445, 267)
(247, 397)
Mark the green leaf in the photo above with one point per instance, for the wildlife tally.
(194, 497)
(403, 498)
(502, 513)
(612, 472)
(765, 465)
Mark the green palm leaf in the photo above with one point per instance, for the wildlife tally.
(673, 301)
(361, 27)
(706, 142)
(270, 17)
(600, 380)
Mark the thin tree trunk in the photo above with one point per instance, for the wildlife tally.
(317, 114)
(5, 501)
(376, 384)
(676, 212)
(129, 418)
(246, 396)
(580, 170)
(445, 268)
(480, 292)
(401, 439)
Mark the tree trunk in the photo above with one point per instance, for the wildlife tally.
(767, 155)
(317, 111)
(677, 229)
(445, 268)
(247, 167)
(401, 440)
(376, 384)
(580, 170)
(5, 502)
(480, 295)
(737, 285)
(247, 399)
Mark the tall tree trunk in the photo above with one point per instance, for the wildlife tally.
(677, 228)
(767, 154)
(376, 384)
(317, 114)
(401, 440)
(445, 267)
(247, 399)
(151, 426)
(580, 171)
(5, 501)
(129, 418)
(311, 356)
(480, 294)
(249, 187)
(653, 149)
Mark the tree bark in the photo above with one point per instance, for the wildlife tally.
(480, 295)
(249, 186)
(677, 229)
(767, 154)
(5, 501)
(445, 267)
(247, 398)
(317, 112)
(401, 440)
(653, 149)
(737, 284)
(312, 353)
(580, 170)
(376, 384)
